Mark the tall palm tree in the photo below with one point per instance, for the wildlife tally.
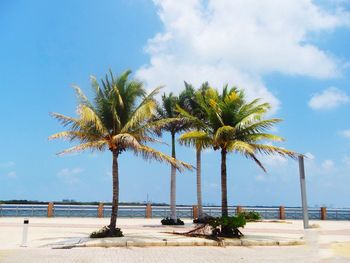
(191, 108)
(167, 110)
(120, 118)
(233, 125)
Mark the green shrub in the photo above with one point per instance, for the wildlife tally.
(250, 216)
(106, 232)
(171, 222)
(227, 226)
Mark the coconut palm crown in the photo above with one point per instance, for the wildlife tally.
(120, 118)
(233, 125)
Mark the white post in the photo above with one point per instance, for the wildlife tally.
(25, 232)
(303, 191)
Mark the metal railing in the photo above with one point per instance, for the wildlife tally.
(75, 210)
(157, 211)
(23, 210)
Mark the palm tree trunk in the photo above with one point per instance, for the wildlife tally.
(199, 183)
(173, 181)
(115, 198)
(224, 208)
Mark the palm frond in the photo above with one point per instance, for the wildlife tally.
(250, 113)
(198, 139)
(157, 126)
(191, 119)
(82, 99)
(89, 117)
(224, 134)
(216, 111)
(64, 120)
(149, 153)
(258, 127)
(74, 135)
(143, 113)
(270, 150)
(240, 146)
(264, 137)
(96, 145)
(125, 140)
(257, 161)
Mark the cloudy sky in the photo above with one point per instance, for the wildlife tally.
(293, 54)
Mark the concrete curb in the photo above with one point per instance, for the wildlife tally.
(173, 243)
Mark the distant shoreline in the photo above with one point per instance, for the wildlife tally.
(72, 202)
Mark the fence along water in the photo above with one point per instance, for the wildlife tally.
(157, 211)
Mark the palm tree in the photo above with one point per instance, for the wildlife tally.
(191, 108)
(167, 110)
(115, 121)
(233, 125)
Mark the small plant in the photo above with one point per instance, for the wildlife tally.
(227, 226)
(171, 222)
(106, 232)
(250, 216)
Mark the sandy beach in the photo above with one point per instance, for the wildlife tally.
(328, 242)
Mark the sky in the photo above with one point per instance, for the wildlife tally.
(293, 54)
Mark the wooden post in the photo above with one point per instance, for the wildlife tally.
(239, 209)
(100, 210)
(323, 213)
(194, 211)
(282, 213)
(148, 211)
(50, 210)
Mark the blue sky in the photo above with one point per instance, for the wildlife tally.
(294, 56)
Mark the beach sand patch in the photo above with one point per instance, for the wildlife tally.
(341, 249)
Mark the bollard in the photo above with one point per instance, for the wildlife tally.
(148, 211)
(323, 213)
(50, 210)
(303, 192)
(282, 213)
(25, 232)
(100, 210)
(194, 211)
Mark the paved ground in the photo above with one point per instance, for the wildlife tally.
(330, 242)
(168, 255)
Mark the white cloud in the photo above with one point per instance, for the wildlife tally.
(237, 42)
(274, 160)
(345, 133)
(109, 174)
(322, 175)
(328, 99)
(7, 164)
(328, 164)
(70, 175)
(92, 155)
(346, 160)
(12, 174)
(310, 156)
(260, 178)
(69, 172)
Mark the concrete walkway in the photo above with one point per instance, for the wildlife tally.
(73, 232)
(295, 254)
(331, 240)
